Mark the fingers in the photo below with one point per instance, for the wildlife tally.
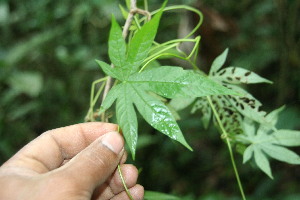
(105, 193)
(137, 193)
(92, 166)
(114, 185)
(51, 149)
(129, 174)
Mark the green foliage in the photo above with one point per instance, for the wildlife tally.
(238, 113)
(53, 43)
(268, 142)
(135, 86)
(150, 195)
(231, 107)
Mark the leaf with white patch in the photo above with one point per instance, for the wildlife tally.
(203, 105)
(237, 75)
(247, 105)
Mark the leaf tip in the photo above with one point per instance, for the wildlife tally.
(187, 146)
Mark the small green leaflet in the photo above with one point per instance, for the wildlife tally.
(141, 90)
(218, 63)
(150, 195)
(128, 62)
(268, 143)
(141, 43)
(116, 44)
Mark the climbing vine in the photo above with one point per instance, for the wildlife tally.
(137, 82)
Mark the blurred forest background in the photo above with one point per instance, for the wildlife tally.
(47, 52)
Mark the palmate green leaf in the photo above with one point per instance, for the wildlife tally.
(116, 45)
(175, 82)
(171, 82)
(155, 112)
(151, 195)
(270, 144)
(141, 43)
(135, 88)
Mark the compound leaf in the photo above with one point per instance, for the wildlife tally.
(271, 143)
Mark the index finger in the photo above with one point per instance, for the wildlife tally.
(49, 150)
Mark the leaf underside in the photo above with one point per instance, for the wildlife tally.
(266, 143)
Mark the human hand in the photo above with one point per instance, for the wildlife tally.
(74, 162)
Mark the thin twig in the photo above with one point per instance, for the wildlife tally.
(129, 18)
(225, 134)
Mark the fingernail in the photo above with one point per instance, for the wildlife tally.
(113, 141)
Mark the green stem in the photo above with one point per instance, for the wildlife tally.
(229, 147)
(124, 184)
(185, 7)
(146, 5)
(93, 99)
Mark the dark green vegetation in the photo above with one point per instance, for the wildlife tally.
(47, 64)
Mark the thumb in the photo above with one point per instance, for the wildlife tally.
(92, 166)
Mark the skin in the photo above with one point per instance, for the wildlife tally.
(77, 162)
